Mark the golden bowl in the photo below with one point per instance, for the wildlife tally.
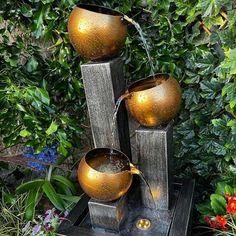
(105, 174)
(96, 32)
(155, 100)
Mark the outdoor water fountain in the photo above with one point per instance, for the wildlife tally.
(122, 203)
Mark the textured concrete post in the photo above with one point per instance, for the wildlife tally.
(154, 154)
(104, 84)
(107, 215)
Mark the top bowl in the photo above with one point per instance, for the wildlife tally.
(155, 100)
(96, 32)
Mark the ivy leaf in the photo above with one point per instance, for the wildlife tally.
(232, 125)
(26, 10)
(211, 7)
(209, 88)
(229, 62)
(13, 60)
(232, 19)
(210, 21)
(191, 96)
(52, 128)
(42, 95)
(216, 148)
(32, 65)
(25, 133)
(38, 26)
(205, 65)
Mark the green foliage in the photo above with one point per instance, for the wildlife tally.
(205, 141)
(41, 93)
(42, 98)
(62, 196)
(217, 203)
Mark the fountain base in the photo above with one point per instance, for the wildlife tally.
(108, 215)
(173, 222)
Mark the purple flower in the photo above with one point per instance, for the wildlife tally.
(36, 229)
(48, 215)
(48, 227)
(50, 211)
(26, 227)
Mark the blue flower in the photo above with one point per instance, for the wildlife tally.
(48, 155)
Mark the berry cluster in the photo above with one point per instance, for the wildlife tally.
(218, 222)
(48, 155)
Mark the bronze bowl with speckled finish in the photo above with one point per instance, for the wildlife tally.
(105, 174)
(155, 100)
(96, 33)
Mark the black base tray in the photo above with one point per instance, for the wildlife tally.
(174, 222)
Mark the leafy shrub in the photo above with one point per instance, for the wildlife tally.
(42, 98)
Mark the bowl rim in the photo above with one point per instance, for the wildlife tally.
(153, 79)
(95, 9)
(90, 152)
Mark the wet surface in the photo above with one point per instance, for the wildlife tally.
(160, 219)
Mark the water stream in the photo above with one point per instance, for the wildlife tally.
(142, 177)
(113, 124)
(112, 161)
(144, 41)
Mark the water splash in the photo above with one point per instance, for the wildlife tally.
(108, 166)
(144, 41)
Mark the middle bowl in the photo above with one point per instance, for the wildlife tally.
(105, 174)
(155, 100)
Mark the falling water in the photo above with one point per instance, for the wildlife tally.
(141, 175)
(116, 109)
(143, 39)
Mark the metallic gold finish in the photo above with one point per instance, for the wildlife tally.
(134, 170)
(143, 224)
(155, 100)
(96, 32)
(101, 185)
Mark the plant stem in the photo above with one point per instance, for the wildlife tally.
(49, 174)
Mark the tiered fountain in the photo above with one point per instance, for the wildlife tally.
(122, 199)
